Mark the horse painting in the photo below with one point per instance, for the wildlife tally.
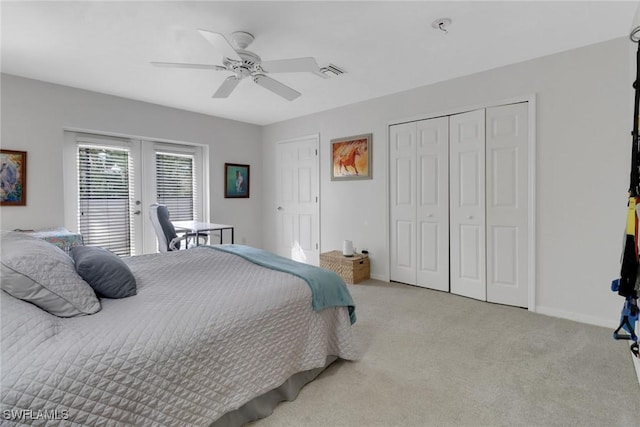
(350, 158)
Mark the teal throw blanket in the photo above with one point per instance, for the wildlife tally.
(327, 288)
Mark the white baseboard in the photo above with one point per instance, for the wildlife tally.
(577, 317)
(378, 277)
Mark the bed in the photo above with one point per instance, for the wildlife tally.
(206, 337)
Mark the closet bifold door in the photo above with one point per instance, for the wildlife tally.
(508, 204)
(402, 169)
(459, 196)
(467, 204)
(432, 210)
(419, 194)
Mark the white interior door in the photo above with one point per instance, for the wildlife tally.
(432, 220)
(507, 204)
(467, 204)
(402, 155)
(297, 200)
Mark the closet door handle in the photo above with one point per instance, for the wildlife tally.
(470, 217)
(430, 215)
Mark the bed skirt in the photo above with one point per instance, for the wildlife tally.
(262, 406)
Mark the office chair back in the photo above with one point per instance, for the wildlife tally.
(165, 231)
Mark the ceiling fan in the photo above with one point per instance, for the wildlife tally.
(243, 63)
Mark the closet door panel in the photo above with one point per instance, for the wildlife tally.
(507, 204)
(404, 183)
(468, 253)
(404, 230)
(402, 165)
(504, 267)
(432, 211)
(467, 208)
(430, 243)
(430, 181)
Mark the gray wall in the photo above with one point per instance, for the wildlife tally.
(35, 113)
(583, 129)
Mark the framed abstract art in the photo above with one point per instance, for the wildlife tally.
(236, 180)
(13, 178)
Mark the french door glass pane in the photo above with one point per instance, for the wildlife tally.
(175, 184)
(104, 201)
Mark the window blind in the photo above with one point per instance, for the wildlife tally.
(176, 185)
(105, 179)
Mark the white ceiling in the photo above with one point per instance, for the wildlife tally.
(385, 47)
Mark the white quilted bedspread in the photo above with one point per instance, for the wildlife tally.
(207, 332)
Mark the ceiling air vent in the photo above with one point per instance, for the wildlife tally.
(332, 70)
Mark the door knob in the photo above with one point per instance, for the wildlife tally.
(470, 217)
(137, 212)
(280, 208)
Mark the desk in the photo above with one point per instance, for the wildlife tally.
(198, 227)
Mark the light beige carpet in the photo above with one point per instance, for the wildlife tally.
(436, 359)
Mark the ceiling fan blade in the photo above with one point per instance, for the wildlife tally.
(293, 65)
(221, 44)
(227, 87)
(181, 65)
(276, 87)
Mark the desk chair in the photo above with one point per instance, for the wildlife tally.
(168, 239)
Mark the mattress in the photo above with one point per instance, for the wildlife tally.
(207, 332)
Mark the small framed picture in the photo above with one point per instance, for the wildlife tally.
(351, 158)
(236, 180)
(13, 175)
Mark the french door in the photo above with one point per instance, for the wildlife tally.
(174, 176)
(108, 202)
(110, 182)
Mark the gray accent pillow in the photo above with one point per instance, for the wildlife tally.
(107, 274)
(36, 271)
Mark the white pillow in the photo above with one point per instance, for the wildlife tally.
(36, 271)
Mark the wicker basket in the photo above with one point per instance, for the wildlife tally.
(353, 269)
